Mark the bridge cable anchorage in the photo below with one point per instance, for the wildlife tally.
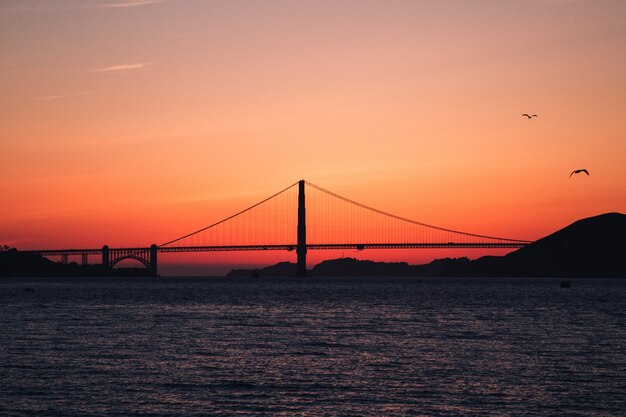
(404, 219)
(229, 217)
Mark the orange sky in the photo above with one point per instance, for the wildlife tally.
(133, 122)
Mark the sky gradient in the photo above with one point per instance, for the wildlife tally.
(133, 122)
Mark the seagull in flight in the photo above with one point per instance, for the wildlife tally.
(530, 116)
(578, 171)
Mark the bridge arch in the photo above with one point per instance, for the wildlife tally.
(146, 256)
(141, 260)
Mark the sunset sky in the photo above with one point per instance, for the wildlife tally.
(129, 123)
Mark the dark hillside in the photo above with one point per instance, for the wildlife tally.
(595, 246)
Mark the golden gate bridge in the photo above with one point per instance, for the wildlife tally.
(301, 217)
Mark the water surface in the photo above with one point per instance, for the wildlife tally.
(333, 346)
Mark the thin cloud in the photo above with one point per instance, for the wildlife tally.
(62, 96)
(123, 67)
(563, 1)
(111, 5)
(129, 3)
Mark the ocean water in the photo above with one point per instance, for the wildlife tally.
(312, 347)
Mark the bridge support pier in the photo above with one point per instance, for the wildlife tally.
(105, 257)
(153, 259)
(301, 248)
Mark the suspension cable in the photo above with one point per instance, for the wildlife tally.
(384, 213)
(229, 217)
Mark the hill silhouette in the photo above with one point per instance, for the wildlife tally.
(281, 269)
(591, 247)
(364, 268)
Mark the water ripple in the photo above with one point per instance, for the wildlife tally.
(340, 347)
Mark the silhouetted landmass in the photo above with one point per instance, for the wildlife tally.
(592, 247)
(365, 268)
(350, 267)
(360, 268)
(281, 269)
(14, 263)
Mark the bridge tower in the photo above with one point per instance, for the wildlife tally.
(301, 248)
(105, 257)
(153, 259)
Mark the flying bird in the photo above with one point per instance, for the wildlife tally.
(530, 116)
(578, 171)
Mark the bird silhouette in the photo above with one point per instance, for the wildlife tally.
(578, 171)
(530, 116)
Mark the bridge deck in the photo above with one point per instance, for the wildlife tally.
(289, 247)
(357, 246)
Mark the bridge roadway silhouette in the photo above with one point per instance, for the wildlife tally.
(148, 255)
